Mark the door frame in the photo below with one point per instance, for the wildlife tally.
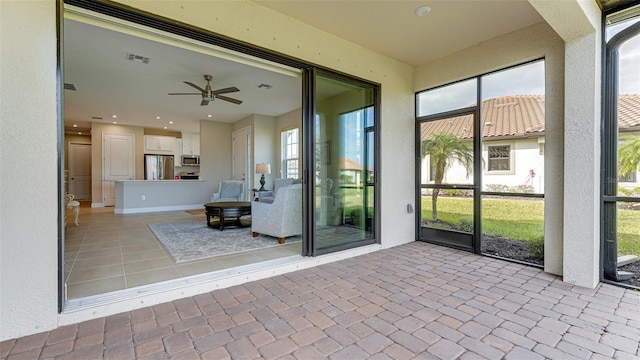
(309, 147)
(248, 179)
(69, 146)
(450, 238)
(307, 70)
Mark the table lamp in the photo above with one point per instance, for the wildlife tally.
(263, 169)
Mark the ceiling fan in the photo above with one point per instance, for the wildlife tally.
(210, 95)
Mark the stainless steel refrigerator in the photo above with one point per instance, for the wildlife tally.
(158, 167)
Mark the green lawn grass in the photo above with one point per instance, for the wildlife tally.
(523, 219)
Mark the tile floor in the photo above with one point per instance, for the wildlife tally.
(109, 252)
(417, 301)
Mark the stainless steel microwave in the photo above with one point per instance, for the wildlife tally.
(190, 160)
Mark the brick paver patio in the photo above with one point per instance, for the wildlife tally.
(412, 301)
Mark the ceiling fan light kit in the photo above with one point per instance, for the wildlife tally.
(210, 95)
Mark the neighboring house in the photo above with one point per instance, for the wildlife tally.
(513, 135)
(351, 171)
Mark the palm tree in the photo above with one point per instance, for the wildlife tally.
(629, 155)
(443, 148)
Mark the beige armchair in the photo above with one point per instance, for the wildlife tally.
(280, 219)
(229, 190)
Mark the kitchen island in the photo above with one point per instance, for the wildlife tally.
(144, 196)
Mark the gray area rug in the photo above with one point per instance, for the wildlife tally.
(194, 240)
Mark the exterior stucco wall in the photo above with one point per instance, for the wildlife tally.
(533, 42)
(578, 23)
(28, 252)
(28, 194)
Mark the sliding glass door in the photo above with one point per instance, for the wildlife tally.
(621, 149)
(344, 163)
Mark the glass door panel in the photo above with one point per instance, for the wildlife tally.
(344, 164)
(447, 180)
(621, 242)
(513, 228)
(513, 171)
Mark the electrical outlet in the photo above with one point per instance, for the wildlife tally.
(144, 197)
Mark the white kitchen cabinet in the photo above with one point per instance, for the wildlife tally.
(190, 144)
(178, 153)
(154, 144)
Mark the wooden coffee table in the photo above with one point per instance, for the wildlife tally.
(223, 210)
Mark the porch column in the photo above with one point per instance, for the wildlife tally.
(578, 23)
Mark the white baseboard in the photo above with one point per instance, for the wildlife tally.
(158, 209)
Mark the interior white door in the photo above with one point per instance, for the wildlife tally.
(80, 171)
(242, 159)
(118, 163)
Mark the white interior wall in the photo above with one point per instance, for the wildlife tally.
(533, 42)
(264, 146)
(215, 139)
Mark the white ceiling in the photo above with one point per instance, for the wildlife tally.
(391, 27)
(107, 84)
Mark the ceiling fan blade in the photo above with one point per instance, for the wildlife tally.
(225, 90)
(185, 94)
(194, 85)
(231, 100)
(204, 102)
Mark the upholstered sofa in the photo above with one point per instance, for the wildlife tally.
(281, 218)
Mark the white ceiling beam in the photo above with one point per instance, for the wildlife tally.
(571, 19)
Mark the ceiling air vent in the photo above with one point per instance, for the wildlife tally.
(68, 86)
(137, 58)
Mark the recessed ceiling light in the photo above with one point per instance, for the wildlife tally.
(114, 116)
(115, 122)
(165, 127)
(209, 115)
(79, 133)
(158, 117)
(423, 10)
(170, 122)
(74, 125)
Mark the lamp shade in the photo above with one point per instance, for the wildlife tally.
(263, 168)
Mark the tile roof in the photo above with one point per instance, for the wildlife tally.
(629, 112)
(348, 164)
(521, 116)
